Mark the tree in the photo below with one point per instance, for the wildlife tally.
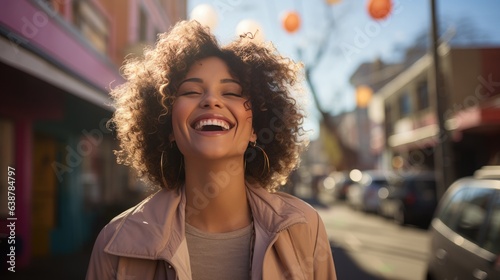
(348, 156)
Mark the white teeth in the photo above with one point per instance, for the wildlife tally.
(199, 125)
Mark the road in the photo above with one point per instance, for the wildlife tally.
(377, 246)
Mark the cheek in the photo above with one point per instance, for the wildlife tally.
(180, 114)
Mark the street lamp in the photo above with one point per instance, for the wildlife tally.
(363, 96)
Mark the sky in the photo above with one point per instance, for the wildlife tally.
(355, 37)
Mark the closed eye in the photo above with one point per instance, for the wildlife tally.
(189, 93)
(233, 94)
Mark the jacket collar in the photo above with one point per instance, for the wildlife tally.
(154, 229)
(273, 212)
(151, 230)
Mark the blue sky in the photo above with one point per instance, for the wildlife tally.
(357, 38)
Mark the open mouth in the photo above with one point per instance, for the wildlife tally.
(211, 125)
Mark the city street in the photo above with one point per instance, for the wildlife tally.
(376, 246)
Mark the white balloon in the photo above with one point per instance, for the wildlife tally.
(250, 26)
(206, 15)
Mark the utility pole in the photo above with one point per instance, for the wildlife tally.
(443, 157)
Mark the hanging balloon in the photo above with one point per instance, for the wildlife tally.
(291, 21)
(205, 14)
(379, 9)
(251, 28)
(332, 2)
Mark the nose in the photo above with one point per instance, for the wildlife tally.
(211, 100)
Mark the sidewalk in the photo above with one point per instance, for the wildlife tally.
(54, 267)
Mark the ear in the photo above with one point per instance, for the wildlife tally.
(253, 136)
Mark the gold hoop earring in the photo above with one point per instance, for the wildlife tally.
(180, 168)
(172, 146)
(161, 170)
(266, 158)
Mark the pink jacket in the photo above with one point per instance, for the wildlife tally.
(148, 242)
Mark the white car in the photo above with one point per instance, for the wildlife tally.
(465, 231)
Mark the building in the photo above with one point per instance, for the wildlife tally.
(58, 61)
(362, 128)
(472, 89)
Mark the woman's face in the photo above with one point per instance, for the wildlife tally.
(209, 117)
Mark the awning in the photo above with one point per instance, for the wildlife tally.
(472, 119)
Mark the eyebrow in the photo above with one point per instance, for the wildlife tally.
(198, 80)
(225, 81)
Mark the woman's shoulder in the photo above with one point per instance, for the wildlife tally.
(138, 209)
(151, 210)
(303, 206)
(313, 223)
(112, 226)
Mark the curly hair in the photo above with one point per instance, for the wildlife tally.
(143, 120)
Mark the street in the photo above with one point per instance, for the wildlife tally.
(377, 246)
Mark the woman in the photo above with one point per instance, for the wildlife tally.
(218, 130)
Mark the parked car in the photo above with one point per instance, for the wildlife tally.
(465, 231)
(363, 195)
(410, 198)
(342, 183)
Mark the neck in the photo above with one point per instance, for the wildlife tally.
(216, 196)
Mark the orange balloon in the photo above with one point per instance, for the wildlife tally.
(291, 21)
(332, 2)
(379, 9)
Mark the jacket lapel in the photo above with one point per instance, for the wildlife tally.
(272, 214)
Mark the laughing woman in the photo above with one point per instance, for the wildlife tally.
(216, 127)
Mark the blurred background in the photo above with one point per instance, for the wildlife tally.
(398, 93)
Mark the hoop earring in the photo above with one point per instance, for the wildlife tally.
(161, 170)
(266, 158)
(180, 168)
(172, 145)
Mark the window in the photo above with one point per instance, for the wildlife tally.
(422, 96)
(473, 213)
(404, 105)
(92, 24)
(143, 26)
(451, 208)
(492, 239)
(389, 128)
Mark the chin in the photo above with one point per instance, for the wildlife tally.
(211, 153)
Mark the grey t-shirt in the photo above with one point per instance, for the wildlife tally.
(219, 255)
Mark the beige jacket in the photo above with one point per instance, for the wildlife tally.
(148, 242)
